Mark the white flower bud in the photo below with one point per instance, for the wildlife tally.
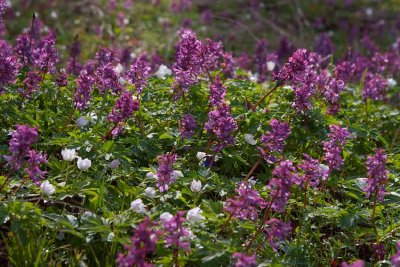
(150, 192)
(249, 138)
(138, 206)
(194, 215)
(195, 186)
(84, 164)
(114, 164)
(163, 71)
(68, 154)
(270, 65)
(82, 122)
(151, 175)
(201, 155)
(177, 174)
(166, 216)
(47, 188)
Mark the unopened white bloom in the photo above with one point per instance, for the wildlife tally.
(84, 164)
(166, 216)
(138, 206)
(82, 122)
(253, 77)
(177, 174)
(150, 192)
(195, 186)
(119, 68)
(68, 154)
(249, 138)
(163, 71)
(151, 175)
(194, 215)
(391, 82)
(114, 164)
(252, 180)
(47, 188)
(201, 155)
(53, 14)
(270, 65)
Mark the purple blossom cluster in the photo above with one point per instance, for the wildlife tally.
(139, 73)
(313, 171)
(143, 243)
(221, 123)
(246, 203)
(284, 176)
(262, 60)
(179, 6)
(395, 259)
(332, 88)
(274, 140)
(374, 86)
(105, 56)
(176, 235)
(244, 260)
(84, 89)
(187, 126)
(357, 263)
(377, 175)
(217, 92)
(165, 171)
(123, 108)
(45, 56)
(34, 161)
(107, 78)
(276, 231)
(9, 68)
(333, 147)
(31, 82)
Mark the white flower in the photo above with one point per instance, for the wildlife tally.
(195, 186)
(47, 188)
(163, 71)
(82, 122)
(84, 164)
(150, 192)
(253, 77)
(119, 68)
(391, 82)
(114, 164)
(194, 215)
(166, 216)
(151, 175)
(249, 138)
(177, 174)
(138, 206)
(53, 15)
(201, 155)
(252, 180)
(68, 154)
(270, 65)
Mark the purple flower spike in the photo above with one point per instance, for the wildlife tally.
(244, 260)
(245, 204)
(33, 170)
(107, 78)
(374, 86)
(333, 147)
(165, 171)
(176, 236)
(84, 90)
(217, 92)
(377, 175)
(105, 56)
(395, 259)
(139, 73)
(276, 231)
(188, 126)
(123, 108)
(313, 171)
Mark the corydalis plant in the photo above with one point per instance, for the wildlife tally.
(139, 73)
(377, 175)
(333, 147)
(165, 171)
(187, 126)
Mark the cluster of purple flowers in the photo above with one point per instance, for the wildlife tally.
(284, 176)
(179, 6)
(313, 171)
(395, 259)
(374, 86)
(107, 78)
(333, 147)
(187, 126)
(123, 108)
(276, 231)
(377, 175)
(45, 56)
(332, 88)
(9, 65)
(143, 244)
(83, 93)
(221, 123)
(274, 140)
(244, 260)
(263, 59)
(139, 73)
(217, 92)
(246, 203)
(31, 82)
(176, 235)
(165, 171)
(105, 56)
(19, 146)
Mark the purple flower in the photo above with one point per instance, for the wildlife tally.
(178, 6)
(188, 126)
(23, 48)
(261, 60)
(274, 140)
(107, 78)
(3, 8)
(189, 59)
(323, 44)
(244, 260)
(217, 92)
(296, 65)
(345, 71)
(377, 175)
(358, 263)
(284, 176)
(105, 56)
(176, 235)
(228, 65)
(143, 243)
(212, 52)
(395, 259)
(313, 171)
(332, 88)
(374, 86)
(276, 231)
(333, 147)
(9, 68)
(123, 108)
(45, 57)
(31, 82)
(33, 169)
(221, 123)
(165, 170)
(84, 90)
(21, 139)
(245, 204)
(139, 73)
